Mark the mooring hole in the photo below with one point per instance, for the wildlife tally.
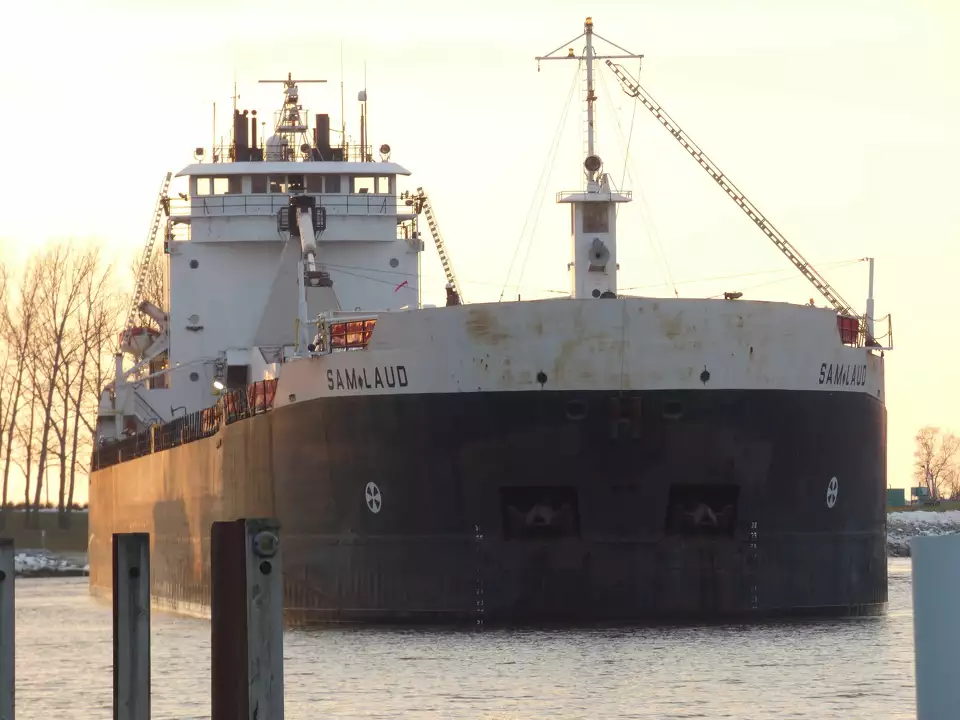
(576, 409)
(673, 410)
(544, 512)
(704, 509)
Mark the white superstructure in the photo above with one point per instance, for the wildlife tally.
(233, 267)
(299, 261)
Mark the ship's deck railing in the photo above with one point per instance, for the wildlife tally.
(266, 204)
(232, 406)
(564, 194)
(350, 153)
(853, 331)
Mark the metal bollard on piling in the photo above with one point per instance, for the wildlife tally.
(246, 623)
(936, 628)
(7, 636)
(131, 626)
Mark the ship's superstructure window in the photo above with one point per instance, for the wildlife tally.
(363, 185)
(596, 219)
(314, 183)
(218, 185)
(238, 377)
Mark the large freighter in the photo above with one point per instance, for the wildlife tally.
(592, 458)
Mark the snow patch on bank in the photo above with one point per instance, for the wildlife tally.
(901, 526)
(43, 563)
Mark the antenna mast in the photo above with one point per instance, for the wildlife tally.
(593, 266)
(343, 110)
(592, 162)
(289, 123)
(591, 97)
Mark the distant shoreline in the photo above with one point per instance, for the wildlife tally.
(902, 525)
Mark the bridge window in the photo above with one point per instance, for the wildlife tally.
(258, 183)
(596, 218)
(331, 184)
(217, 185)
(363, 185)
(383, 185)
(314, 183)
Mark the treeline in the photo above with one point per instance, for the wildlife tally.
(60, 317)
(937, 462)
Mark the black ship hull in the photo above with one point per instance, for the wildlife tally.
(519, 507)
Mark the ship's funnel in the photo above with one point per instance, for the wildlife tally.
(322, 134)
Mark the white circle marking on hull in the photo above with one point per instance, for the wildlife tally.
(833, 487)
(374, 499)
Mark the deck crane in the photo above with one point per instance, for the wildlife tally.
(422, 204)
(633, 89)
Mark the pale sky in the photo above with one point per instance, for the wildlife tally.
(836, 118)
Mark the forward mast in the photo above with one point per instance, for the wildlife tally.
(593, 209)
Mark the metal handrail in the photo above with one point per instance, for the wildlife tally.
(256, 399)
(268, 204)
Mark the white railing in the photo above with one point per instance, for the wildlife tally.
(359, 204)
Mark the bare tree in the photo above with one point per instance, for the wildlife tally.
(6, 376)
(96, 325)
(19, 321)
(935, 459)
(60, 316)
(61, 282)
(951, 484)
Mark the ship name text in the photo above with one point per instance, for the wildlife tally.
(840, 374)
(387, 376)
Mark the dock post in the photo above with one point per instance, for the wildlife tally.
(936, 627)
(7, 616)
(131, 626)
(246, 620)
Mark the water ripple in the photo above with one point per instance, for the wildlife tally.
(803, 671)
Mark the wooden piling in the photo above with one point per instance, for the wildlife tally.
(131, 626)
(7, 625)
(246, 620)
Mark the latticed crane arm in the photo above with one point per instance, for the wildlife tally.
(632, 88)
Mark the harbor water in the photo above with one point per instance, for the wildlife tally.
(852, 668)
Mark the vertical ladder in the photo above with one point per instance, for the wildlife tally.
(162, 208)
(426, 208)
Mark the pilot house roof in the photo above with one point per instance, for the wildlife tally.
(293, 168)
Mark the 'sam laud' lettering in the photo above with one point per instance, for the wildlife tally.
(381, 376)
(846, 375)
